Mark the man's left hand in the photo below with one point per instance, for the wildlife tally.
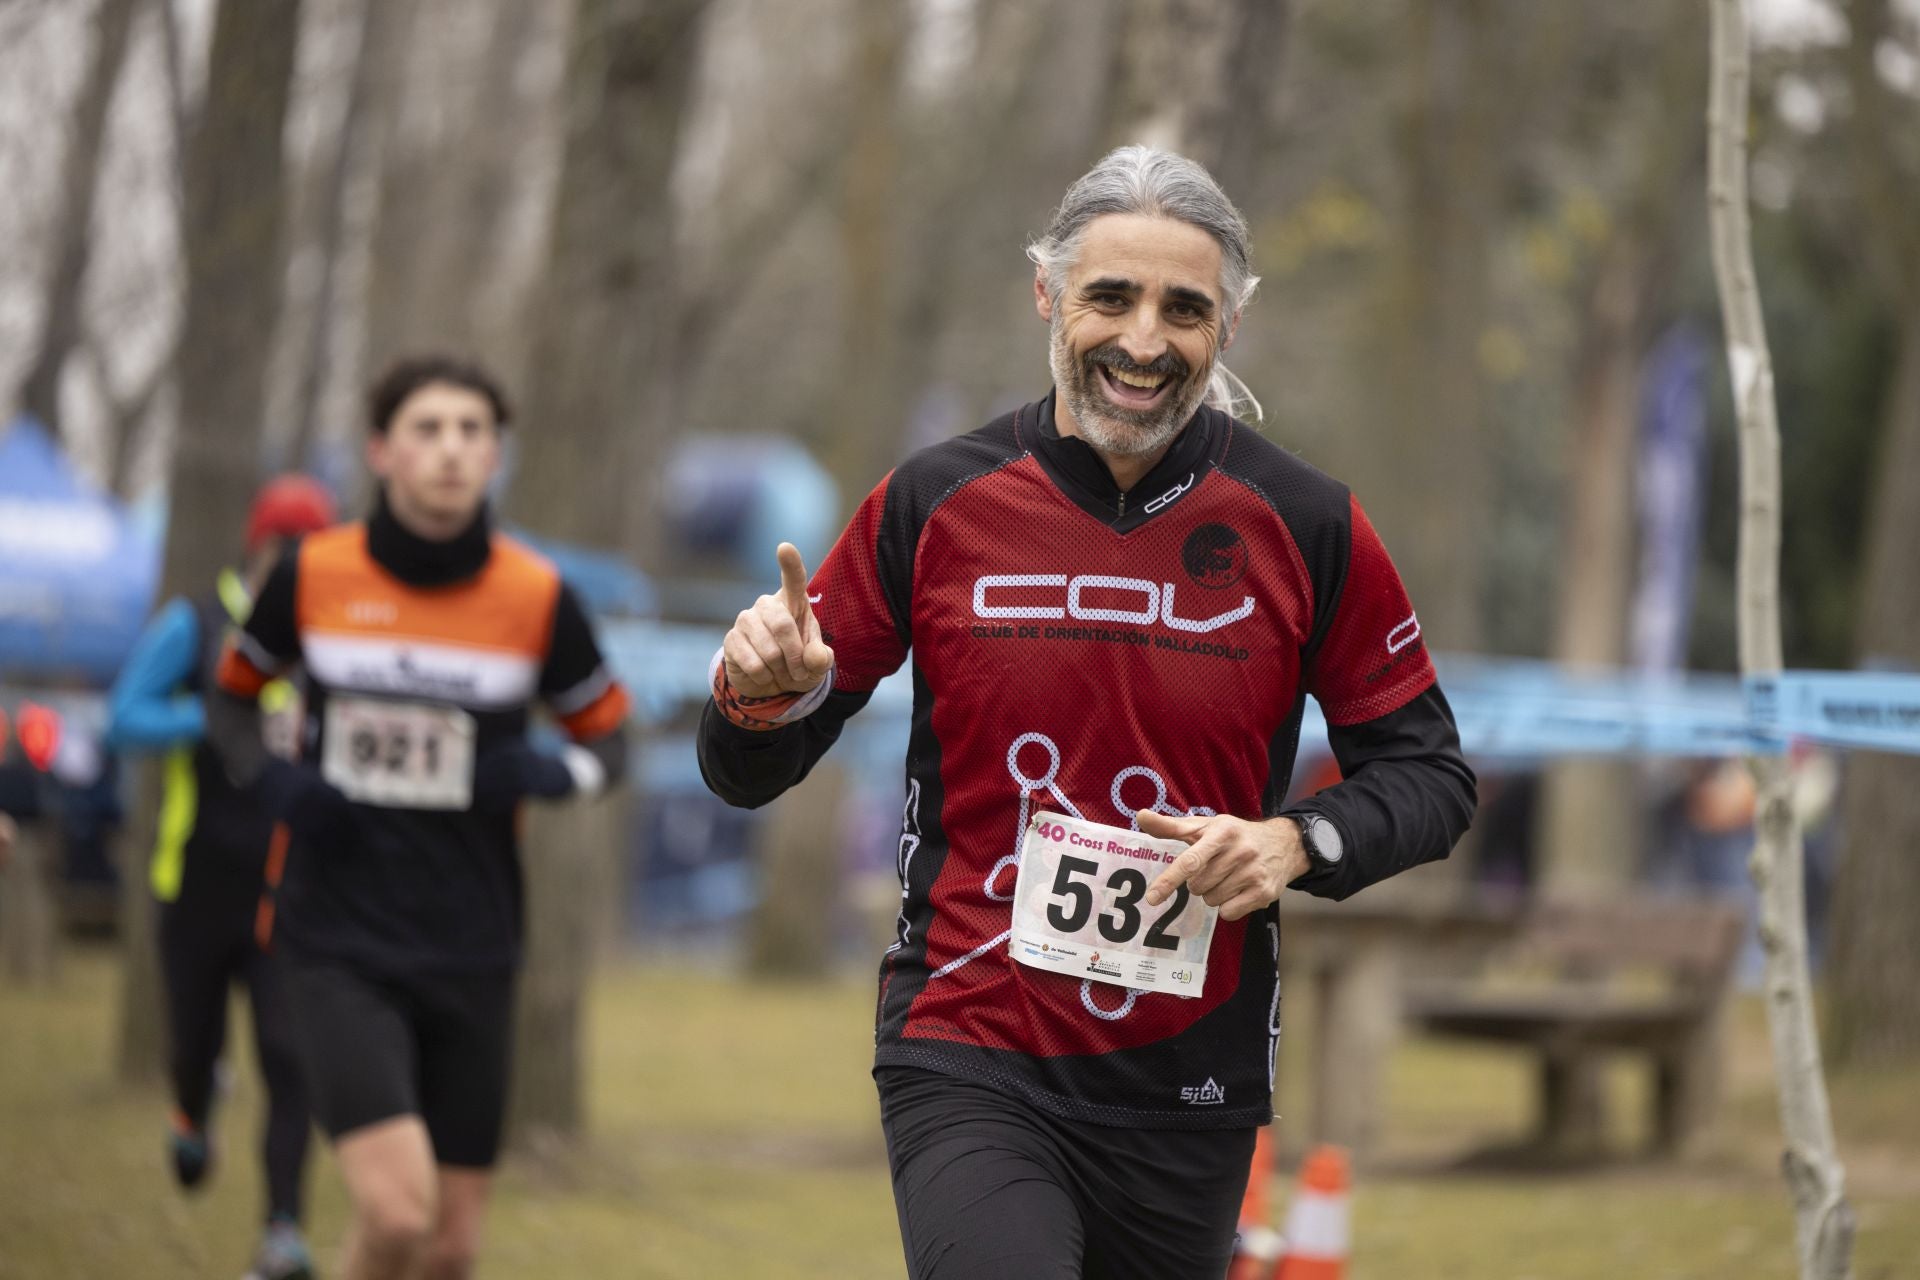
(1235, 865)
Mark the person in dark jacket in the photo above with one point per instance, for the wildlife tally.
(211, 864)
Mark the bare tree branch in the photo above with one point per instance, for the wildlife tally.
(125, 412)
(173, 58)
(1823, 1219)
(318, 359)
(80, 179)
(1872, 140)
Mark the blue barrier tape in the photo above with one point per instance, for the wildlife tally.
(1511, 709)
(1873, 710)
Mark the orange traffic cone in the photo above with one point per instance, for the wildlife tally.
(1258, 1244)
(1317, 1226)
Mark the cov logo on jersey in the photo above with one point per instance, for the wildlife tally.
(1215, 556)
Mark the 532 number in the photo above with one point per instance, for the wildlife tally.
(1072, 904)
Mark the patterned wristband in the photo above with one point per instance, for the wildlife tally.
(757, 714)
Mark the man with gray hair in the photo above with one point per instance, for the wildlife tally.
(1116, 600)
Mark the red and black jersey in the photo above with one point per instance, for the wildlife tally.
(1086, 651)
(479, 623)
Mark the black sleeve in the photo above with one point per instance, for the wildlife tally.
(747, 767)
(573, 655)
(1406, 798)
(272, 632)
(233, 732)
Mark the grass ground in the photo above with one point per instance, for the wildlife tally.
(735, 1136)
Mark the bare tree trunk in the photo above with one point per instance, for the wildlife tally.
(79, 180)
(1226, 57)
(30, 906)
(1163, 42)
(317, 361)
(870, 207)
(1823, 1219)
(791, 932)
(446, 197)
(1438, 288)
(1588, 830)
(1873, 1011)
(603, 390)
(235, 211)
(407, 177)
(794, 926)
(125, 412)
(1232, 124)
(235, 205)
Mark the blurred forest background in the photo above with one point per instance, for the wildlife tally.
(1481, 226)
(1474, 219)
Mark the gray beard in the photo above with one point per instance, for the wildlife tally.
(1113, 431)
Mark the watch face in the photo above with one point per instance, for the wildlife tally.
(1323, 840)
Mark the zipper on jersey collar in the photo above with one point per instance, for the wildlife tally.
(1082, 476)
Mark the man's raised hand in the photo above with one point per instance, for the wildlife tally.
(775, 646)
(1230, 863)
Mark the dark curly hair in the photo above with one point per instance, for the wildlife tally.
(410, 373)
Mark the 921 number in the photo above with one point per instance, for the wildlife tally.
(1072, 906)
(389, 753)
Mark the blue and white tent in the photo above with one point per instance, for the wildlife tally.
(77, 574)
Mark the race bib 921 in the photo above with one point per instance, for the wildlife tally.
(399, 755)
(1080, 908)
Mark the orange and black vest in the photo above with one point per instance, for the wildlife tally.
(480, 625)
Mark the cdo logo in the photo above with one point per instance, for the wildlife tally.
(1215, 557)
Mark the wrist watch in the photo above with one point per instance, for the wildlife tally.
(1321, 839)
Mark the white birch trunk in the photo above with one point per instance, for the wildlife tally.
(1823, 1220)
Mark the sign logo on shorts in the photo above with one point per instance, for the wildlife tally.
(1209, 1094)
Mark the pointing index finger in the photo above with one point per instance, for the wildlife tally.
(793, 581)
(1183, 869)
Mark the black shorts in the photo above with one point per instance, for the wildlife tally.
(991, 1188)
(435, 1046)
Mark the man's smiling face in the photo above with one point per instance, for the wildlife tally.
(1135, 332)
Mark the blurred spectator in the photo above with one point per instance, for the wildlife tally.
(1816, 792)
(215, 856)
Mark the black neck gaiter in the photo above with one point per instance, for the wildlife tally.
(424, 562)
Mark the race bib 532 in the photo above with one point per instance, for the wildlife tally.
(1080, 908)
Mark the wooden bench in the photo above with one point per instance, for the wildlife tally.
(1583, 979)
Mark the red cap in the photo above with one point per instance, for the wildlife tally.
(287, 507)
